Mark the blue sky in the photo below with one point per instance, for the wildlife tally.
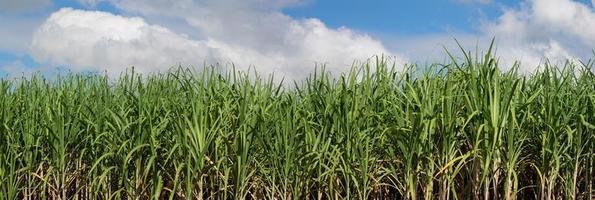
(400, 17)
(281, 36)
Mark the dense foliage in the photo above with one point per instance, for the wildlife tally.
(465, 130)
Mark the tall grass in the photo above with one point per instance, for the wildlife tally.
(465, 130)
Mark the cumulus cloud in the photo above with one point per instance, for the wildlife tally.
(94, 40)
(256, 33)
(243, 32)
(532, 32)
(539, 29)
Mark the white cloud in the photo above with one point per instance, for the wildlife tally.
(290, 45)
(256, 32)
(93, 40)
(23, 5)
(243, 32)
(539, 29)
(536, 30)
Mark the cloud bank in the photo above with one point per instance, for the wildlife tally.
(247, 33)
(244, 34)
(93, 40)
